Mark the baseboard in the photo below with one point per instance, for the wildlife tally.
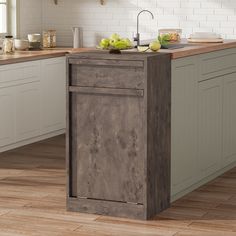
(202, 182)
(31, 140)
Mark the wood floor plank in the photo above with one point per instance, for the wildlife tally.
(196, 232)
(217, 226)
(33, 202)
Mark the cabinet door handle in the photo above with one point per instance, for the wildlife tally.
(107, 91)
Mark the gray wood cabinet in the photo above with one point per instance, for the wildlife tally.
(118, 139)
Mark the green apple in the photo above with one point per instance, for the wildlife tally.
(155, 46)
(128, 43)
(105, 43)
(121, 44)
(115, 37)
(112, 42)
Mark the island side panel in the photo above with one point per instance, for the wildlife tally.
(158, 134)
(71, 151)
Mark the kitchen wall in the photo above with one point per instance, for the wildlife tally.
(120, 16)
(30, 17)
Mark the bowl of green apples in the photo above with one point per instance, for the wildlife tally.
(115, 42)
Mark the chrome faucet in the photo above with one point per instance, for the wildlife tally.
(137, 37)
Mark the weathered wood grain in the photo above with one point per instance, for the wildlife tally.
(97, 75)
(159, 134)
(120, 134)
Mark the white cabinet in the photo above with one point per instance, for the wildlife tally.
(7, 116)
(53, 96)
(210, 126)
(27, 111)
(203, 119)
(229, 119)
(183, 124)
(32, 101)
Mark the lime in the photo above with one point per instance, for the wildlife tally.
(143, 48)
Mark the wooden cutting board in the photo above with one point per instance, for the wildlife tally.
(205, 40)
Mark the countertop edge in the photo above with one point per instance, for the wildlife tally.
(191, 50)
(26, 58)
(201, 49)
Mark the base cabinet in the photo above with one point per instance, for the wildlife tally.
(183, 124)
(118, 139)
(27, 111)
(203, 119)
(210, 126)
(32, 101)
(7, 114)
(229, 119)
(53, 95)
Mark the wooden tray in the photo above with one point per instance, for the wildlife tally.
(205, 40)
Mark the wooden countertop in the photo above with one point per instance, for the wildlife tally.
(24, 56)
(194, 49)
(190, 50)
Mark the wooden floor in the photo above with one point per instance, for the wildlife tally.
(32, 202)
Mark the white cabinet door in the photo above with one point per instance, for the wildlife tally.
(210, 126)
(7, 116)
(183, 124)
(53, 96)
(27, 111)
(229, 119)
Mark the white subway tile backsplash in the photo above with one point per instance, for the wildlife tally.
(120, 16)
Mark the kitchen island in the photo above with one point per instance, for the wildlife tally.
(118, 133)
(106, 108)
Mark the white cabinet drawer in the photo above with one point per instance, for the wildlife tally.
(217, 63)
(15, 74)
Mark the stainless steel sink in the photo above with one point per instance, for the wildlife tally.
(177, 46)
(173, 46)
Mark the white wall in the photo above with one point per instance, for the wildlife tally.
(30, 16)
(120, 16)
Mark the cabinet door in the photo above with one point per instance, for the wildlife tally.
(7, 116)
(229, 119)
(53, 95)
(107, 138)
(27, 111)
(210, 126)
(183, 124)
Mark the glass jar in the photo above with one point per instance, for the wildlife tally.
(49, 39)
(174, 35)
(8, 45)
